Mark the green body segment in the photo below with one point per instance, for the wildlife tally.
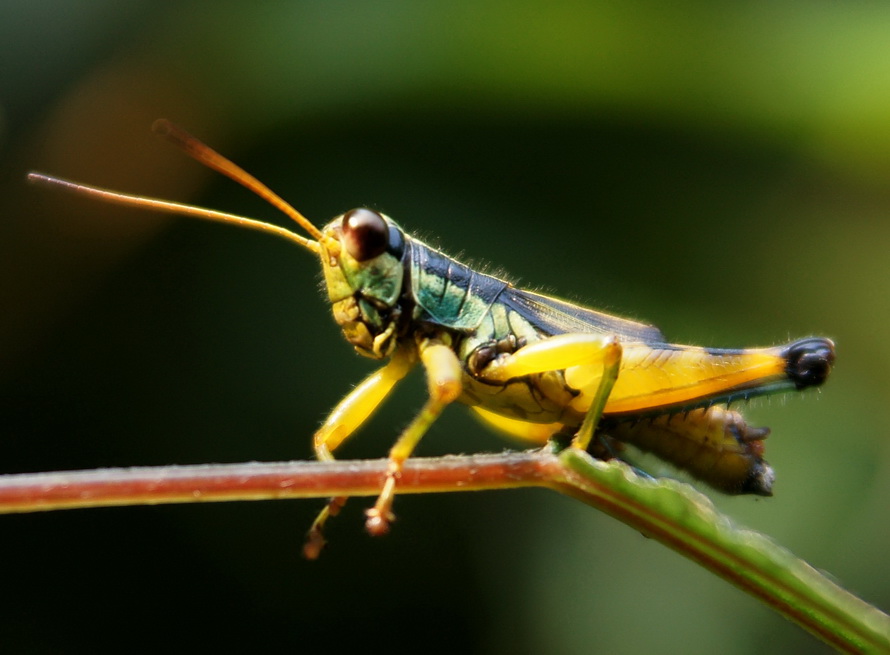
(448, 293)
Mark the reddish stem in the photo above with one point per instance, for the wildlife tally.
(31, 492)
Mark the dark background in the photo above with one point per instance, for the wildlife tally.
(720, 172)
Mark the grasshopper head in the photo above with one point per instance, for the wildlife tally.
(361, 254)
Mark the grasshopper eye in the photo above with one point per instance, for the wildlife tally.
(365, 234)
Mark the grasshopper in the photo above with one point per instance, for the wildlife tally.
(527, 364)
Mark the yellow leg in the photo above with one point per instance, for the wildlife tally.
(652, 376)
(361, 402)
(347, 416)
(443, 372)
(536, 433)
(657, 376)
(596, 353)
(551, 354)
(563, 351)
(611, 366)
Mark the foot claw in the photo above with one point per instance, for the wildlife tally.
(378, 522)
(313, 545)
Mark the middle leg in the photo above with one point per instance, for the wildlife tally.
(443, 372)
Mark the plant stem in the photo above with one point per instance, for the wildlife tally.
(666, 510)
(35, 492)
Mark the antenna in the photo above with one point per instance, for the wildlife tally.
(212, 159)
(143, 202)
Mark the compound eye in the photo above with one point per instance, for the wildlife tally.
(364, 233)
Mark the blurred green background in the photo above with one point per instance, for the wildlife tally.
(721, 171)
